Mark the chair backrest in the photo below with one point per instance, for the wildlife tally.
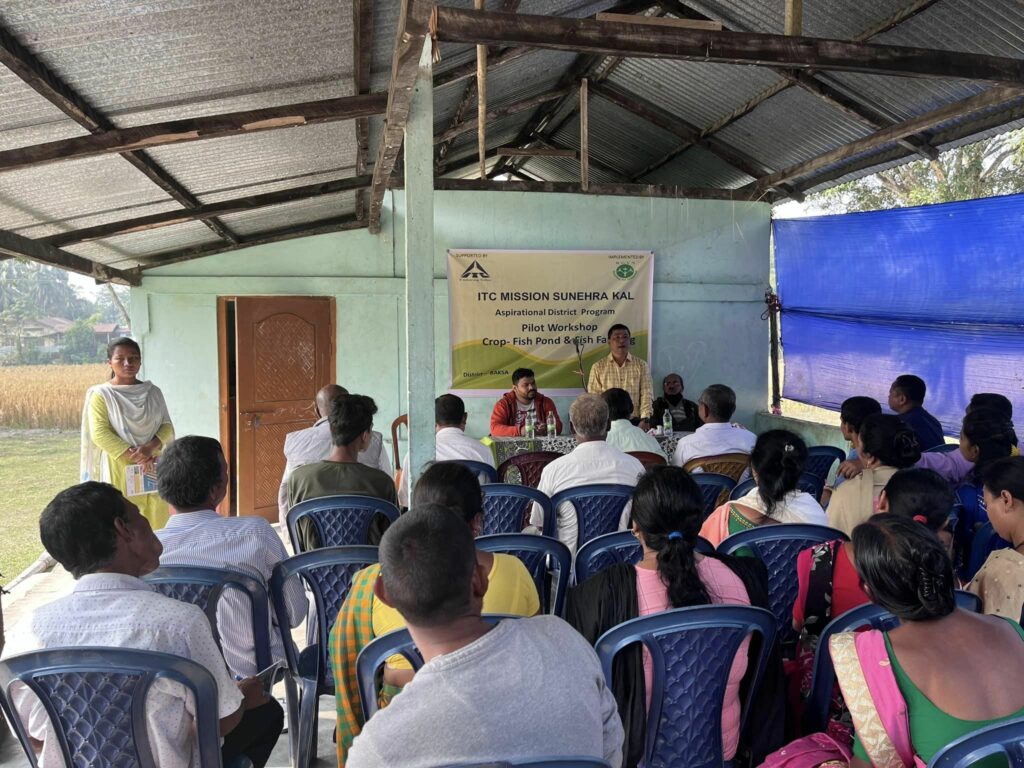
(380, 649)
(777, 546)
(548, 560)
(811, 484)
(204, 587)
(399, 422)
(1000, 739)
(485, 472)
(507, 507)
(648, 458)
(541, 762)
(984, 542)
(340, 521)
(95, 700)
(328, 575)
(692, 650)
(823, 677)
(715, 488)
(820, 459)
(742, 489)
(614, 548)
(597, 507)
(944, 448)
(730, 464)
(526, 467)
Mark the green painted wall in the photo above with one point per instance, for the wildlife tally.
(711, 269)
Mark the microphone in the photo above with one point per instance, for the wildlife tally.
(579, 358)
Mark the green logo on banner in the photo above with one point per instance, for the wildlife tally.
(624, 271)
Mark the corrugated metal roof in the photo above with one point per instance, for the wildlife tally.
(696, 167)
(565, 169)
(27, 118)
(290, 214)
(121, 251)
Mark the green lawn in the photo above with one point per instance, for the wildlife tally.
(34, 466)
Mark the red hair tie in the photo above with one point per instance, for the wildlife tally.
(921, 519)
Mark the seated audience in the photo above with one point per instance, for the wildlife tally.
(907, 571)
(192, 477)
(985, 437)
(667, 508)
(363, 617)
(100, 537)
(468, 703)
(777, 462)
(887, 444)
(315, 444)
(622, 369)
(450, 440)
(1000, 582)
(992, 400)
(851, 415)
(621, 432)
(906, 400)
(684, 412)
(341, 473)
(508, 419)
(717, 436)
(592, 461)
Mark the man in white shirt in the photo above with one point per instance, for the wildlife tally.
(192, 477)
(313, 444)
(450, 440)
(101, 538)
(621, 432)
(525, 688)
(591, 461)
(715, 407)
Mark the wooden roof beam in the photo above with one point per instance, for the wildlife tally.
(14, 245)
(121, 140)
(362, 55)
(469, 125)
(621, 190)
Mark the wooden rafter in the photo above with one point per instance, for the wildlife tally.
(412, 29)
(119, 140)
(468, 125)
(362, 54)
(626, 190)
(237, 205)
(43, 81)
(12, 244)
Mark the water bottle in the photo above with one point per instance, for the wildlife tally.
(528, 427)
(552, 424)
(666, 422)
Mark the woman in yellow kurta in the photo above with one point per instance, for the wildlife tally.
(125, 422)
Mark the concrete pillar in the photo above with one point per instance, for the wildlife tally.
(420, 354)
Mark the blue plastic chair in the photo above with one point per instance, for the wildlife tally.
(811, 484)
(692, 650)
(204, 587)
(944, 448)
(820, 459)
(328, 575)
(777, 546)
(613, 548)
(823, 678)
(95, 700)
(1000, 739)
(489, 473)
(984, 542)
(545, 558)
(743, 488)
(714, 487)
(507, 505)
(380, 649)
(597, 508)
(340, 521)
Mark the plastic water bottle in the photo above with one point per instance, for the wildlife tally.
(529, 428)
(666, 422)
(552, 425)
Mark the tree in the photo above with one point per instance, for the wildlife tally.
(986, 168)
(44, 290)
(80, 345)
(107, 304)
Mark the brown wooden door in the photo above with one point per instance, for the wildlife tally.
(285, 353)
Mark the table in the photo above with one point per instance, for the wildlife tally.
(506, 447)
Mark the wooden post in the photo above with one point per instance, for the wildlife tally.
(794, 17)
(481, 101)
(419, 268)
(584, 137)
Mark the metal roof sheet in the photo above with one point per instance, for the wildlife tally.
(696, 167)
(290, 214)
(27, 118)
(122, 251)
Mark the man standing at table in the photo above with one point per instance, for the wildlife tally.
(508, 419)
(623, 370)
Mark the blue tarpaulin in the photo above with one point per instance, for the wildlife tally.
(937, 291)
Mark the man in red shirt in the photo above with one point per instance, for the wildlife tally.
(508, 419)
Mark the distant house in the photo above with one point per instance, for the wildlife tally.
(41, 332)
(107, 332)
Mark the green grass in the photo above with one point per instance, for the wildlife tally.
(34, 466)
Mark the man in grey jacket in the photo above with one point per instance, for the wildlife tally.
(524, 688)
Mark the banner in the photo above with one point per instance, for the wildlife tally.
(531, 309)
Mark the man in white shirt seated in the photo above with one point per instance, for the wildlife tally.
(524, 688)
(621, 433)
(313, 444)
(591, 461)
(192, 477)
(100, 537)
(715, 407)
(450, 440)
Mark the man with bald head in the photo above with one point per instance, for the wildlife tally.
(314, 444)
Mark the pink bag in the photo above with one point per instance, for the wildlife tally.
(809, 752)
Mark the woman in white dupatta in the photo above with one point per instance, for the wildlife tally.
(125, 422)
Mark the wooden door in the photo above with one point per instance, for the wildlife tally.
(285, 353)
